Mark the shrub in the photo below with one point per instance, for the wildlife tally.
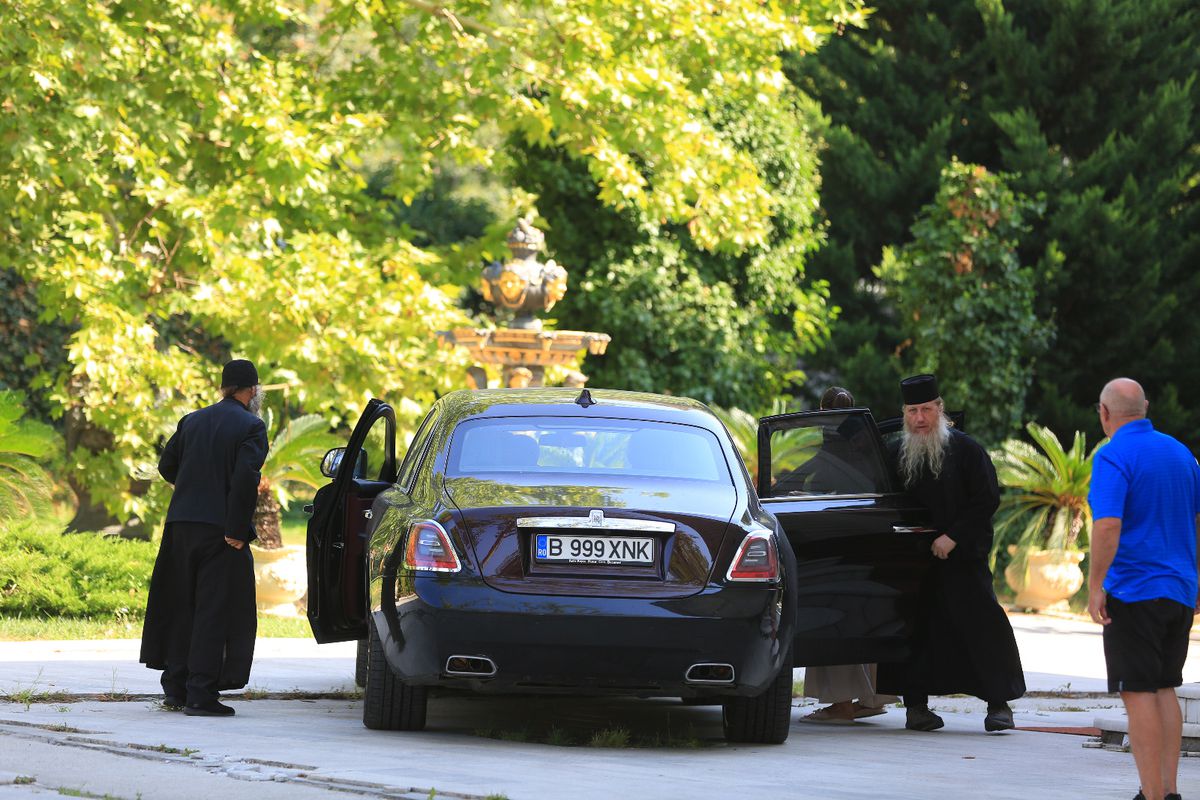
(46, 573)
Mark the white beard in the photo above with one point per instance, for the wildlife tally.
(256, 401)
(924, 452)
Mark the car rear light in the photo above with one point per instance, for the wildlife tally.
(756, 560)
(428, 549)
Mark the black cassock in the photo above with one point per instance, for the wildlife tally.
(200, 612)
(963, 642)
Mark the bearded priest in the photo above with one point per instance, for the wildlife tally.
(963, 642)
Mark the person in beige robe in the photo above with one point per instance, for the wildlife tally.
(849, 689)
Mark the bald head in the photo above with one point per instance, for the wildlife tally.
(1124, 398)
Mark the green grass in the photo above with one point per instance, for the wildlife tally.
(610, 737)
(294, 524)
(24, 629)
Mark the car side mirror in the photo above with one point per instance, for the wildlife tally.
(331, 462)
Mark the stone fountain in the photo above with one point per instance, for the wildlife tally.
(522, 285)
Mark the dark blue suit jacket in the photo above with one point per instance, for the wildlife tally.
(214, 460)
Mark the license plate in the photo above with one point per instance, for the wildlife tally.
(572, 549)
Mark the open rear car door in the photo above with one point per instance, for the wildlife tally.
(337, 531)
(862, 546)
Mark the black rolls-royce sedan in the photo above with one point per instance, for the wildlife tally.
(608, 542)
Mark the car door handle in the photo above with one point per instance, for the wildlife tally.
(912, 529)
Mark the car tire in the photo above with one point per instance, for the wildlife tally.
(765, 719)
(360, 663)
(389, 704)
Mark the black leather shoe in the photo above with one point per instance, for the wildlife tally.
(170, 703)
(999, 718)
(213, 709)
(922, 719)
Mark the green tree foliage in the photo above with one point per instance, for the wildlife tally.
(966, 302)
(726, 328)
(166, 176)
(182, 181)
(1093, 105)
(31, 345)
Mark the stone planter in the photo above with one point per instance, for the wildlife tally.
(1052, 577)
(281, 580)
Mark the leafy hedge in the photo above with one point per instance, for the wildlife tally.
(47, 573)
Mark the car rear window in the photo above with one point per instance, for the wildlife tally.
(585, 446)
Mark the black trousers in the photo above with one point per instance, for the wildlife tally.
(200, 615)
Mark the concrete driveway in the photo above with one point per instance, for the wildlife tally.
(82, 717)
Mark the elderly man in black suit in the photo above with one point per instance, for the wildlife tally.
(200, 613)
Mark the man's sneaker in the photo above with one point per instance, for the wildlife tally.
(170, 703)
(213, 709)
(922, 719)
(1167, 796)
(999, 718)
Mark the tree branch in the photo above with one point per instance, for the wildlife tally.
(129, 237)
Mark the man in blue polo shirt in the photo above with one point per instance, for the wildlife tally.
(1142, 586)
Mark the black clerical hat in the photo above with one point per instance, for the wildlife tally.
(239, 374)
(919, 389)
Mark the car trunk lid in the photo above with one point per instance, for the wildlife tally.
(603, 536)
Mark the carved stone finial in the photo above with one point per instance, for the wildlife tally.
(522, 284)
(525, 240)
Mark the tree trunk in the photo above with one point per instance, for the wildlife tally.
(267, 518)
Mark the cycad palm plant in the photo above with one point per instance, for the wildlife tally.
(294, 459)
(790, 448)
(1046, 507)
(25, 486)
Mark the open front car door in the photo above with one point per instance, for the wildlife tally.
(862, 546)
(342, 516)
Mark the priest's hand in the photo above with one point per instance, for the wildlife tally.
(1098, 607)
(236, 544)
(942, 546)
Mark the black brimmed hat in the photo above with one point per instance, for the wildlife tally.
(239, 374)
(919, 389)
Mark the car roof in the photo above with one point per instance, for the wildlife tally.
(472, 403)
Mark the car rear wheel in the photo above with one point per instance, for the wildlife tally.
(360, 663)
(764, 719)
(389, 704)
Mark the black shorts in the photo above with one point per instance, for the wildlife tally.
(1146, 644)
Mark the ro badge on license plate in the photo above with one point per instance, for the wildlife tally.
(575, 549)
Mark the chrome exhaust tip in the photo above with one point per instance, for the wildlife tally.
(710, 674)
(471, 666)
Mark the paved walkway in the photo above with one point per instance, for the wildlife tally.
(62, 729)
